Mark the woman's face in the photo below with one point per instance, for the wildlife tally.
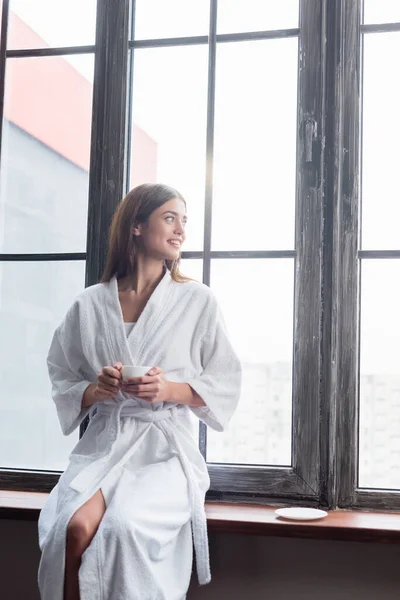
(164, 233)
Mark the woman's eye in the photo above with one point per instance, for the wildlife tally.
(169, 219)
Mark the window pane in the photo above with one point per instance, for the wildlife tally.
(171, 18)
(51, 23)
(169, 126)
(193, 268)
(381, 154)
(381, 11)
(255, 146)
(257, 15)
(256, 298)
(45, 156)
(379, 453)
(34, 296)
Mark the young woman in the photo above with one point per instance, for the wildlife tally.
(119, 524)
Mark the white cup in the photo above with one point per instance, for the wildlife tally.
(129, 371)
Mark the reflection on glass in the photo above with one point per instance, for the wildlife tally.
(236, 16)
(171, 18)
(169, 126)
(255, 146)
(381, 132)
(45, 156)
(381, 11)
(379, 443)
(51, 23)
(256, 299)
(34, 296)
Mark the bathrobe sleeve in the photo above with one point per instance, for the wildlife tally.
(220, 381)
(65, 364)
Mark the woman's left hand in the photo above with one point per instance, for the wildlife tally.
(152, 387)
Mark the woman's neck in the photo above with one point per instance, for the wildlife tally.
(148, 275)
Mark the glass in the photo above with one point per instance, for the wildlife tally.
(380, 149)
(381, 11)
(169, 126)
(379, 443)
(34, 296)
(256, 299)
(236, 16)
(45, 156)
(51, 23)
(171, 18)
(255, 146)
(192, 268)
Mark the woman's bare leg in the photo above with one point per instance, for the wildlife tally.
(80, 532)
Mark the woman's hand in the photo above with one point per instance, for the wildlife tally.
(108, 385)
(152, 387)
(108, 382)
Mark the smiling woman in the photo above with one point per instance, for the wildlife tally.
(136, 481)
(150, 221)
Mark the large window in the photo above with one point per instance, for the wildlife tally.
(277, 121)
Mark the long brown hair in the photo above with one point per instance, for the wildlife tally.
(134, 209)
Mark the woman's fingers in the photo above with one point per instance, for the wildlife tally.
(145, 379)
(137, 389)
(105, 395)
(155, 371)
(108, 380)
(109, 388)
(147, 387)
(111, 372)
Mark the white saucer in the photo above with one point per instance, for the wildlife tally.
(297, 513)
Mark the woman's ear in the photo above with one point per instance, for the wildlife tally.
(135, 230)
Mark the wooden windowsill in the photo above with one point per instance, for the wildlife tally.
(249, 519)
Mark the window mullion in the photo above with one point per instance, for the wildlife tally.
(212, 57)
(106, 183)
(307, 337)
(3, 51)
(345, 199)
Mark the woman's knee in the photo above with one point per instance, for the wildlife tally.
(80, 533)
(84, 524)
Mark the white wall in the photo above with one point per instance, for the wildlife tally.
(244, 568)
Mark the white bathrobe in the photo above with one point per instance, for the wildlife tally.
(144, 457)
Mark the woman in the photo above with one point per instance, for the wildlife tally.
(119, 524)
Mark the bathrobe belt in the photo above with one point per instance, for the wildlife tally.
(93, 474)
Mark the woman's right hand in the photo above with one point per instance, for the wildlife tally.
(108, 385)
(109, 382)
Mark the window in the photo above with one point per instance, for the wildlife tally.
(218, 117)
(47, 88)
(253, 110)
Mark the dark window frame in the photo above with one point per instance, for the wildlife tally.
(325, 370)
